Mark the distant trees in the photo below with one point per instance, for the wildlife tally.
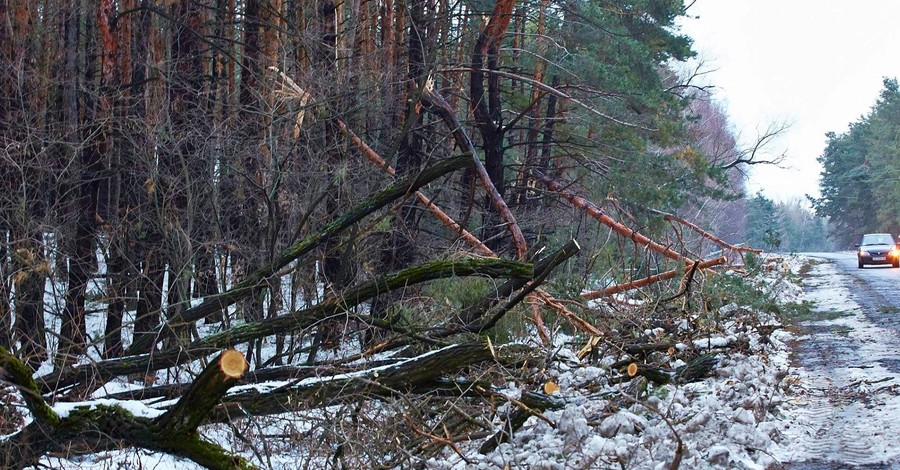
(788, 226)
(861, 169)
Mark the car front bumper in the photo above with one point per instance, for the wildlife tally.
(875, 258)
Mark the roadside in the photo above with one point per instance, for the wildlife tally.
(842, 406)
(727, 420)
(819, 393)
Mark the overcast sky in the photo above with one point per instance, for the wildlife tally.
(814, 64)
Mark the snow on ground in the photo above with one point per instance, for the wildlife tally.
(844, 408)
(731, 420)
(722, 422)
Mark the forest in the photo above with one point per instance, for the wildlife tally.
(411, 197)
(859, 179)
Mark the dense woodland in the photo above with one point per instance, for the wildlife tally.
(318, 182)
(859, 180)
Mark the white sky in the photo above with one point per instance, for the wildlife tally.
(817, 65)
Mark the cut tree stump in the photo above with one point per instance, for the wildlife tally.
(97, 428)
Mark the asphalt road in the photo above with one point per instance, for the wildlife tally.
(875, 288)
(847, 359)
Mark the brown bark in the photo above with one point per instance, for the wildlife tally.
(531, 139)
(707, 235)
(488, 118)
(637, 283)
(605, 219)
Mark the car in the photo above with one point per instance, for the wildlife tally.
(878, 248)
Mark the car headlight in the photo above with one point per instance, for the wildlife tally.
(894, 253)
(863, 253)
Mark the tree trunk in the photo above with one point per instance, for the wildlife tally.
(149, 304)
(107, 427)
(487, 110)
(30, 274)
(250, 284)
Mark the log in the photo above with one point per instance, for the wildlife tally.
(295, 321)
(256, 279)
(106, 427)
(652, 373)
(419, 372)
(697, 368)
(204, 393)
(338, 304)
(175, 390)
(15, 371)
(631, 285)
(542, 269)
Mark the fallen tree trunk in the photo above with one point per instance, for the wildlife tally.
(541, 270)
(605, 219)
(403, 376)
(471, 319)
(104, 427)
(205, 392)
(631, 285)
(256, 279)
(295, 321)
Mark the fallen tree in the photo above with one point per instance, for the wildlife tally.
(256, 280)
(337, 304)
(110, 426)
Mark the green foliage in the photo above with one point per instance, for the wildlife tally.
(763, 227)
(459, 293)
(861, 168)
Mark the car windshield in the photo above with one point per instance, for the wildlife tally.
(877, 239)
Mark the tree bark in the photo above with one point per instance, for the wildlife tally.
(487, 111)
(110, 427)
(295, 321)
(605, 219)
(204, 394)
(638, 283)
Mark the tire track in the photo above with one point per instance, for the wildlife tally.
(845, 410)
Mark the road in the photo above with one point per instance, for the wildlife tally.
(846, 401)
